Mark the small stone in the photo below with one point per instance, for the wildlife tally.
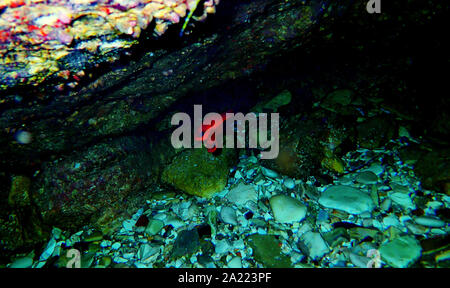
(24, 262)
(359, 261)
(376, 168)
(105, 243)
(402, 199)
(386, 204)
(153, 227)
(146, 251)
(128, 225)
(429, 221)
(241, 194)
(228, 215)
(401, 252)
(223, 246)
(390, 220)
(235, 262)
(116, 246)
(266, 250)
(289, 183)
(336, 236)
(119, 259)
(269, 173)
(287, 209)
(186, 243)
(313, 245)
(416, 229)
(346, 198)
(174, 221)
(367, 177)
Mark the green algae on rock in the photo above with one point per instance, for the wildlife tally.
(198, 172)
(266, 249)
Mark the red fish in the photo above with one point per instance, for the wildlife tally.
(205, 132)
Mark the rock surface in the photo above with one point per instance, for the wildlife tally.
(401, 252)
(199, 173)
(346, 198)
(287, 209)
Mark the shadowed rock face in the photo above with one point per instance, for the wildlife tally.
(98, 152)
(92, 146)
(130, 96)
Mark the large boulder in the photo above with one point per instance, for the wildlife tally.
(198, 172)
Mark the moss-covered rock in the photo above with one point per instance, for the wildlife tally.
(376, 132)
(266, 250)
(199, 173)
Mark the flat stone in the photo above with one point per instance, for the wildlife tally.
(228, 215)
(429, 221)
(153, 227)
(235, 262)
(287, 209)
(313, 245)
(266, 250)
(401, 252)
(269, 173)
(367, 177)
(402, 199)
(346, 198)
(223, 246)
(241, 194)
(186, 243)
(390, 220)
(289, 183)
(376, 168)
(24, 262)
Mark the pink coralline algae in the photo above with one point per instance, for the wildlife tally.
(35, 34)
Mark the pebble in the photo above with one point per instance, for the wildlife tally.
(402, 199)
(401, 252)
(287, 209)
(269, 173)
(289, 183)
(359, 261)
(266, 250)
(153, 227)
(386, 204)
(146, 251)
(235, 262)
(228, 215)
(23, 262)
(367, 177)
(128, 225)
(346, 198)
(241, 194)
(174, 221)
(429, 221)
(119, 259)
(390, 220)
(376, 168)
(186, 243)
(116, 246)
(105, 243)
(313, 245)
(223, 246)
(416, 229)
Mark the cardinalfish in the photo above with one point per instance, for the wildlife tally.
(206, 132)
